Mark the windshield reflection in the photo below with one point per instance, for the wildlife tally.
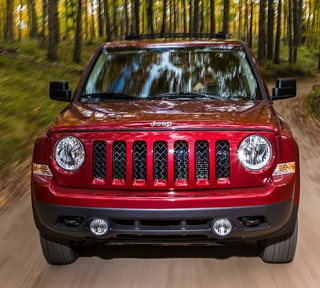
(144, 73)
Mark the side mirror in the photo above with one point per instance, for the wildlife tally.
(59, 90)
(285, 88)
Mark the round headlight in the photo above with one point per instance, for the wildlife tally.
(255, 152)
(69, 153)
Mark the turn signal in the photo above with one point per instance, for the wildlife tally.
(285, 168)
(40, 169)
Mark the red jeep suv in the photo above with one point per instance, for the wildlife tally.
(168, 141)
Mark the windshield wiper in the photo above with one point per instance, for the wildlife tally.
(107, 96)
(192, 95)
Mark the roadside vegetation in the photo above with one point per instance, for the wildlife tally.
(311, 104)
(306, 66)
(25, 107)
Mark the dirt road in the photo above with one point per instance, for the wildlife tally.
(234, 265)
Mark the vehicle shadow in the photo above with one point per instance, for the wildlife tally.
(233, 249)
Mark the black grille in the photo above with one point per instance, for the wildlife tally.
(181, 160)
(99, 159)
(222, 159)
(202, 159)
(160, 160)
(139, 160)
(119, 160)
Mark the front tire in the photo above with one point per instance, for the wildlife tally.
(58, 251)
(279, 249)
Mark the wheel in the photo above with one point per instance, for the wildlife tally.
(279, 249)
(58, 251)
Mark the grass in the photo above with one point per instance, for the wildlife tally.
(311, 103)
(25, 107)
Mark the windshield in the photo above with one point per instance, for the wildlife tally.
(140, 74)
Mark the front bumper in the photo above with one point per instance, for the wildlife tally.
(165, 225)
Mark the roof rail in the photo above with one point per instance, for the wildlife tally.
(220, 35)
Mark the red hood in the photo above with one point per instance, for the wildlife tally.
(189, 114)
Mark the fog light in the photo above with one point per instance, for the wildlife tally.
(99, 227)
(222, 227)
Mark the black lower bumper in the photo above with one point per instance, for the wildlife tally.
(165, 225)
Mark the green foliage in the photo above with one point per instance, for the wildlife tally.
(25, 107)
(306, 65)
(272, 71)
(311, 104)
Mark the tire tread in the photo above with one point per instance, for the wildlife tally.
(57, 251)
(280, 249)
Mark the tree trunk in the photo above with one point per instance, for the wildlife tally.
(86, 20)
(20, 21)
(9, 32)
(270, 29)
(170, 16)
(93, 30)
(290, 31)
(164, 17)
(32, 12)
(276, 59)
(251, 24)
(57, 23)
(285, 23)
(212, 17)
(262, 31)
(44, 23)
(142, 21)
(240, 20)
(226, 8)
(196, 17)
(53, 19)
(308, 25)
(202, 17)
(115, 25)
(246, 15)
(78, 36)
(295, 30)
(175, 16)
(67, 19)
(191, 16)
(150, 16)
(100, 19)
(300, 12)
(136, 12)
(184, 17)
(313, 25)
(126, 16)
(106, 14)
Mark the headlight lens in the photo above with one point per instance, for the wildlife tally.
(69, 153)
(255, 152)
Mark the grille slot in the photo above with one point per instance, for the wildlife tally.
(119, 156)
(139, 160)
(202, 159)
(160, 160)
(222, 159)
(181, 160)
(99, 159)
